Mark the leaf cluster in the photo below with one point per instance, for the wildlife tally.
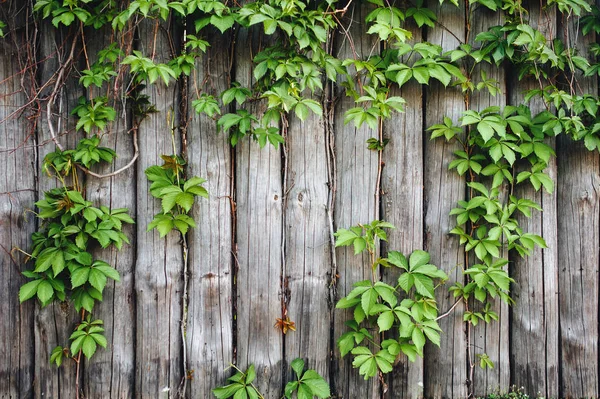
(176, 194)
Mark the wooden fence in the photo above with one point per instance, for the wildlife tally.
(264, 238)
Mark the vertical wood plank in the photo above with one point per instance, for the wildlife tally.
(578, 249)
(534, 316)
(209, 337)
(307, 244)
(55, 323)
(490, 338)
(578, 185)
(110, 372)
(445, 367)
(356, 171)
(402, 196)
(259, 195)
(18, 188)
(159, 265)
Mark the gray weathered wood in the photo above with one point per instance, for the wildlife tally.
(355, 185)
(209, 338)
(534, 318)
(446, 367)
(18, 193)
(158, 270)
(578, 185)
(578, 253)
(259, 196)
(55, 323)
(110, 373)
(402, 205)
(307, 244)
(490, 338)
(277, 246)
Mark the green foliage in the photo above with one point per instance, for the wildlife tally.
(87, 336)
(499, 148)
(143, 68)
(240, 386)
(176, 194)
(93, 114)
(70, 227)
(307, 385)
(408, 307)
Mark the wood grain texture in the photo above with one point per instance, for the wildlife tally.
(55, 323)
(110, 373)
(578, 187)
(445, 367)
(18, 188)
(402, 205)
(307, 244)
(356, 172)
(159, 266)
(259, 196)
(534, 316)
(578, 250)
(275, 245)
(209, 337)
(490, 338)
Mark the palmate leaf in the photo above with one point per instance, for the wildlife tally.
(317, 385)
(28, 290)
(227, 391)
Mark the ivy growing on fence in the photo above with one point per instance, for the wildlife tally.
(500, 148)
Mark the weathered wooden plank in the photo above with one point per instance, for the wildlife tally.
(402, 205)
(534, 317)
(18, 193)
(55, 323)
(445, 367)
(158, 270)
(355, 185)
(578, 185)
(490, 338)
(307, 244)
(578, 252)
(209, 337)
(110, 373)
(259, 196)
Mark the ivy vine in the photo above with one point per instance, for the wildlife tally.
(500, 148)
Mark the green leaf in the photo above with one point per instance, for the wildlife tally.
(45, 291)
(194, 181)
(316, 383)
(109, 272)
(418, 339)
(250, 374)
(28, 290)
(100, 339)
(346, 343)
(80, 276)
(359, 245)
(88, 346)
(424, 285)
(57, 355)
(223, 22)
(45, 259)
(298, 366)
(97, 279)
(290, 387)
(368, 299)
(385, 321)
(418, 258)
(227, 391)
